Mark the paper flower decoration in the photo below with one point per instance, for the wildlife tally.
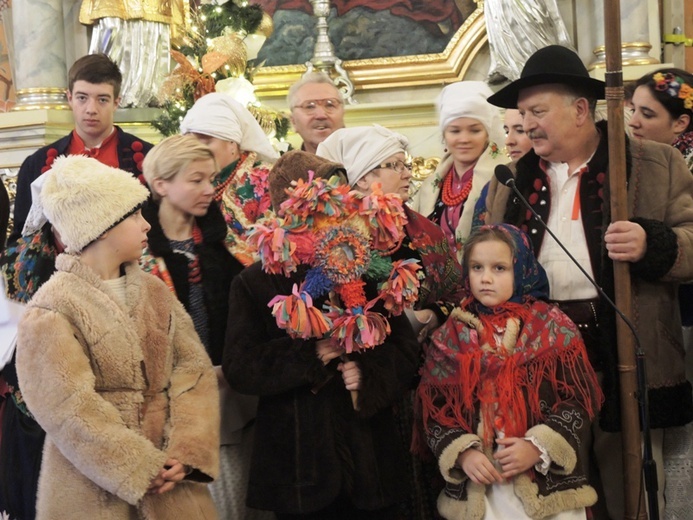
(342, 238)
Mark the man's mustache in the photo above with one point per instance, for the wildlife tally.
(536, 135)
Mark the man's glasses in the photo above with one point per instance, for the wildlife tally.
(399, 166)
(328, 105)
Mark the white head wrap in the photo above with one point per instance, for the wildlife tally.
(468, 99)
(361, 148)
(219, 115)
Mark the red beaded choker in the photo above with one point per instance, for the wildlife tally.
(447, 195)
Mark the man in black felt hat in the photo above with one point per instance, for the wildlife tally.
(565, 179)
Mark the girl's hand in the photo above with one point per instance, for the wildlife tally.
(327, 350)
(516, 456)
(351, 373)
(478, 468)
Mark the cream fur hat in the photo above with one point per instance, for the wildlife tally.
(83, 198)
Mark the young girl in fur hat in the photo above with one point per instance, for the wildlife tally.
(507, 392)
(110, 364)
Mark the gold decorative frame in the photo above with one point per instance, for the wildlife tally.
(400, 71)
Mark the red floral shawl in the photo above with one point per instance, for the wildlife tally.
(511, 379)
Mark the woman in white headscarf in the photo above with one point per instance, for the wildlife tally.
(375, 155)
(244, 155)
(473, 135)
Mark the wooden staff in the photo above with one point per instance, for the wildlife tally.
(630, 425)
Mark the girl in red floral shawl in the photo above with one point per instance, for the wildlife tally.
(507, 392)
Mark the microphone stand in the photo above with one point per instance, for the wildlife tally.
(649, 466)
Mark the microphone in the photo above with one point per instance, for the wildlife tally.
(505, 176)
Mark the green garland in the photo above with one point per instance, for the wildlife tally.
(168, 123)
(216, 18)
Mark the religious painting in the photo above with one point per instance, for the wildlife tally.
(361, 29)
(382, 43)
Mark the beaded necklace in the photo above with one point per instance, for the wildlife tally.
(448, 196)
(221, 188)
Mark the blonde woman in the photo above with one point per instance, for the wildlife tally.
(187, 250)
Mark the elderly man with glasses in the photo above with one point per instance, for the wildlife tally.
(317, 109)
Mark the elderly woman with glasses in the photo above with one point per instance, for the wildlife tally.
(472, 133)
(376, 156)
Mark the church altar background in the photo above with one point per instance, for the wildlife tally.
(398, 92)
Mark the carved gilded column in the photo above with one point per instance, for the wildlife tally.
(38, 37)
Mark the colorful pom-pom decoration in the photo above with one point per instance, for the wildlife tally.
(342, 238)
(401, 289)
(295, 314)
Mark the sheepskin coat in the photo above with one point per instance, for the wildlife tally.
(557, 420)
(118, 390)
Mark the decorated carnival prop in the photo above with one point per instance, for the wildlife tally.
(340, 239)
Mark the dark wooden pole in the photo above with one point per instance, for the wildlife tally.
(630, 425)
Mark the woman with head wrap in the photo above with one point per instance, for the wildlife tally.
(663, 111)
(316, 455)
(472, 134)
(244, 155)
(376, 156)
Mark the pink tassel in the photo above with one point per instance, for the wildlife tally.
(326, 196)
(386, 218)
(295, 314)
(274, 246)
(357, 330)
(401, 289)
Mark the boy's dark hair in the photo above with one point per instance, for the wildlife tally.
(95, 68)
(486, 234)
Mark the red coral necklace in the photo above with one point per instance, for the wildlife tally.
(448, 196)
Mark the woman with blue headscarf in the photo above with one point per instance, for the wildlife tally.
(507, 391)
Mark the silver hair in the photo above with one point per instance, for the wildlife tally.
(311, 77)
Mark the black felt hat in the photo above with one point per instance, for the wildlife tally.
(552, 64)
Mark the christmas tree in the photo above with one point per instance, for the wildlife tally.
(213, 57)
